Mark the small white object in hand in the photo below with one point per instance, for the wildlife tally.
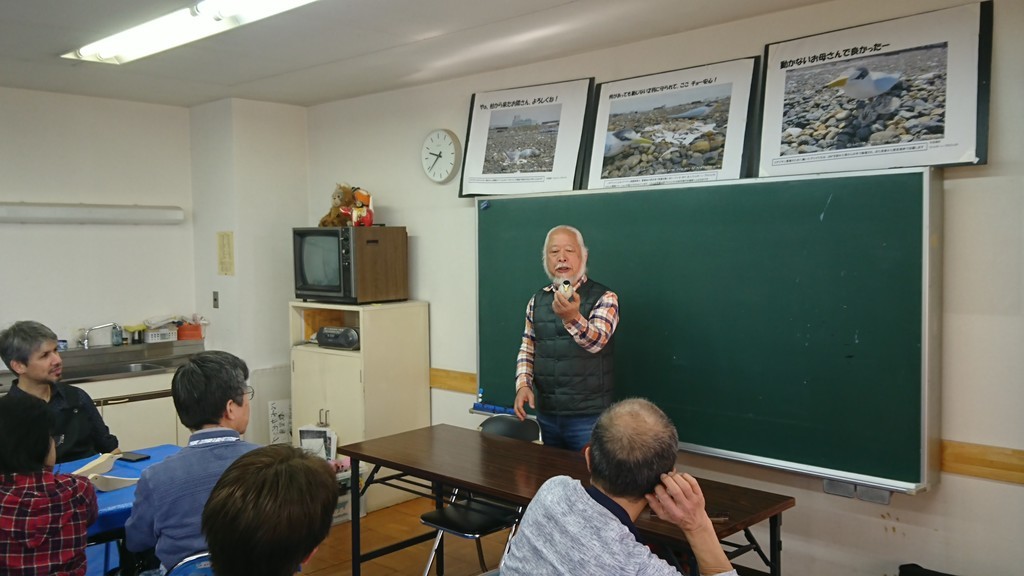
(566, 289)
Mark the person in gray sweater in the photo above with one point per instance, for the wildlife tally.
(570, 529)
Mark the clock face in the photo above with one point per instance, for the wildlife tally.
(441, 156)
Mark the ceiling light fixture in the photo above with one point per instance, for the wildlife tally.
(57, 213)
(205, 18)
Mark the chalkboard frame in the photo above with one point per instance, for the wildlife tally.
(496, 367)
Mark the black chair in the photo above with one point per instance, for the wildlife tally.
(473, 517)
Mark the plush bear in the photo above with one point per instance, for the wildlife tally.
(342, 202)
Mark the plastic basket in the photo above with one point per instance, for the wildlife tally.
(161, 335)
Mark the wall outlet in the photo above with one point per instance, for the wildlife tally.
(216, 299)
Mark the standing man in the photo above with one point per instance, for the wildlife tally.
(572, 529)
(565, 369)
(211, 396)
(29, 350)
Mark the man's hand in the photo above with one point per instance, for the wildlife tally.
(523, 395)
(678, 500)
(565, 309)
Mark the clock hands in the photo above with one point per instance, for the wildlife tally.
(437, 156)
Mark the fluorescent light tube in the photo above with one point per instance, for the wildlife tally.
(43, 213)
(180, 27)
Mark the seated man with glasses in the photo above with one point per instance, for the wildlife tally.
(211, 396)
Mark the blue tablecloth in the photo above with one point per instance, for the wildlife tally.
(116, 506)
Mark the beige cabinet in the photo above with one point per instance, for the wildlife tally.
(139, 410)
(332, 385)
(380, 389)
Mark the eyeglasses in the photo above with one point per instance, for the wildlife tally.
(250, 391)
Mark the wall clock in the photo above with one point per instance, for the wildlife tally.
(441, 155)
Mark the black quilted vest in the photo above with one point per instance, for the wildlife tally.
(567, 379)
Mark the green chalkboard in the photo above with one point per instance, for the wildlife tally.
(782, 321)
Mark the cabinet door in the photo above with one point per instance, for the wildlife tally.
(344, 394)
(326, 383)
(142, 423)
(307, 389)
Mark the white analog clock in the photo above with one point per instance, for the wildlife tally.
(441, 155)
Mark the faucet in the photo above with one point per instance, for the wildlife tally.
(84, 340)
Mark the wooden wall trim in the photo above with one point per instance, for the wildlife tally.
(979, 460)
(991, 462)
(454, 381)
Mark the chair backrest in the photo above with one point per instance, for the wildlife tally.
(195, 565)
(512, 427)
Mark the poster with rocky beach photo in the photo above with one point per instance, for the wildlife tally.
(526, 140)
(904, 92)
(673, 127)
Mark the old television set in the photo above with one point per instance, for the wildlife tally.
(351, 265)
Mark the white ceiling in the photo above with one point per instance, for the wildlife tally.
(333, 49)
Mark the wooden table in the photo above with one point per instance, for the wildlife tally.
(514, 470)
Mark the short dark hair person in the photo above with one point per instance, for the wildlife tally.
(20, 339)
(25, 428)
(269, 512)
(202, 387)
(632, 445)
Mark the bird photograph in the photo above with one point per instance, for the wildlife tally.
(617, 141)
(884, 99)
(666, 133)
(522, 139)
(861, 83)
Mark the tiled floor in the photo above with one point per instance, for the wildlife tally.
(382, 527)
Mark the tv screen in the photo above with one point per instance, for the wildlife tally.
(320, 262)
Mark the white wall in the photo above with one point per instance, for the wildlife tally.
(966, 525)
(70, 149)
(249, 179)
(250, 167)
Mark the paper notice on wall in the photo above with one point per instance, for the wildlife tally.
(225, 253)
(280, 416)
(318, 440)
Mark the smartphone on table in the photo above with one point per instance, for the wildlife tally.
(134, 456)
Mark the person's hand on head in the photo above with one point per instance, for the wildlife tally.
(523, 396)
(679, 500)
(564, 308)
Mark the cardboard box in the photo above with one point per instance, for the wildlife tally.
(343, 511)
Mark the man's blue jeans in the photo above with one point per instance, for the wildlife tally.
(571, 432)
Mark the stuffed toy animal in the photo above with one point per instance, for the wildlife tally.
(342, 201)
(362, 212)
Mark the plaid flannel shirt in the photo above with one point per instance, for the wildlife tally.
(43, 522)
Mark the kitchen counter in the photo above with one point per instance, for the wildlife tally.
(104, 363)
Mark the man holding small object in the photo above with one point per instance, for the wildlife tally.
(565, 368)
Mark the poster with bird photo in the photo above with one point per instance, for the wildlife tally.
(906, 92)
(673, 127)
(528, 139)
